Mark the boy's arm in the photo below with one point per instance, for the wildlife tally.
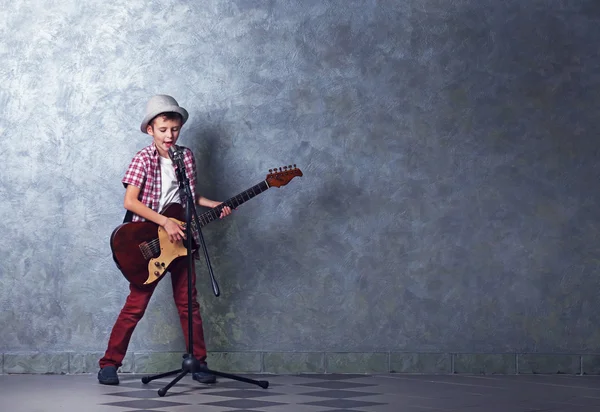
(132, 203)
(202, 201)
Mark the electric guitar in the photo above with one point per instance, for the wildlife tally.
(142, 250)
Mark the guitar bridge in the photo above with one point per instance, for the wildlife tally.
(146, 250)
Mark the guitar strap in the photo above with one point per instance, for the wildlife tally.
(128, 217)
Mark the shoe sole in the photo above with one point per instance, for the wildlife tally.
(206, 382)
(109, 382)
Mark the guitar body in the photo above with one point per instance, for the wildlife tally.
(143, 251)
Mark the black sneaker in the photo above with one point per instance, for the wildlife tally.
(204, 377)
(108, 376)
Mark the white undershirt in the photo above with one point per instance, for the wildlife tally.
(169, 185)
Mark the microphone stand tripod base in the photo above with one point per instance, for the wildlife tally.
(189, 365)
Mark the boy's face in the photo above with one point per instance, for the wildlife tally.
(165, 133)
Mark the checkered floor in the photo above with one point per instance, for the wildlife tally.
(304, 393)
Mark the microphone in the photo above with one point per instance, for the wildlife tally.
(174, 153)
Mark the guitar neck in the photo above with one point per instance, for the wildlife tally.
(214, 213)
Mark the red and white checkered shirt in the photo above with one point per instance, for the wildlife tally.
(144, 172)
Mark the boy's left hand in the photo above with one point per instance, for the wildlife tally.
(226, 211)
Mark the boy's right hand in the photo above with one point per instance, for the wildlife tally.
(174, 230)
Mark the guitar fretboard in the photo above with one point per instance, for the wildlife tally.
(233, 202)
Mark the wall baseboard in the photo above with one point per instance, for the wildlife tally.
(312, 362)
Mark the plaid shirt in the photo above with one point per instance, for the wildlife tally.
(144, 172)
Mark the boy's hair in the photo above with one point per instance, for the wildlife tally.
(167, 116)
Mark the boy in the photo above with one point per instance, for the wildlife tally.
(151, 183)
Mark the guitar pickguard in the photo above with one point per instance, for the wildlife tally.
(169, 251)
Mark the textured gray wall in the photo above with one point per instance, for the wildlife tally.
(449, 148)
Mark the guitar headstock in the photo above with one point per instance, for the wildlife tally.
(283, 176)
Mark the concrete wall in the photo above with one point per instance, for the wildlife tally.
(447, 219)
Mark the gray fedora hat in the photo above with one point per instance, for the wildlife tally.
(161, 103)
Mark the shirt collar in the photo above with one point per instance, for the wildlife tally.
(153, 149)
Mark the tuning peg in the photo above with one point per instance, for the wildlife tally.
(294, 166)
(290, 166)
(270, 170)
(284, 167)
(280, 169)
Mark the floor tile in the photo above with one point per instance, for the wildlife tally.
(305, 393)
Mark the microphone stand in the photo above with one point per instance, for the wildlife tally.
(190, 363)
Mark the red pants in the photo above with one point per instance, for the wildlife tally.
(134, 309)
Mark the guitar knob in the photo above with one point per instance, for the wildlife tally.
(163, 264)
(156, 264)
(156, 273)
